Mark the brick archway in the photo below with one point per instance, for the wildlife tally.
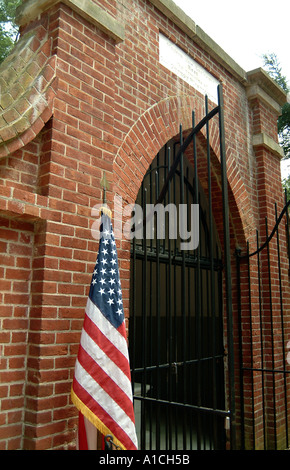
(152, 131)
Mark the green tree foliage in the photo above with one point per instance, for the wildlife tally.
(274, 69)
(8, 27)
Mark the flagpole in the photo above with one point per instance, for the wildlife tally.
(105, 186)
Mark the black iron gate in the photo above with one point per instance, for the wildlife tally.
(176, 336)
(264, 338)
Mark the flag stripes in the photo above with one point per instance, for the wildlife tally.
(104, 380)
(99, 415)
(113, 342)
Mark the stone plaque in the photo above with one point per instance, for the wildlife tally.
(177, 61)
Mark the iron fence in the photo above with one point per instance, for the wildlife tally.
(264, 338)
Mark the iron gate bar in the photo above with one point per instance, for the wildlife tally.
(183, 289)
(272, 331)
(186, 406)
(261, 333)
(177, 260)
(176, 162)
(212, 266)
(282, 319)
(198, 286)
(269, 238)
(178, 364)
(229, 306)
(268, 370)
(183, 147)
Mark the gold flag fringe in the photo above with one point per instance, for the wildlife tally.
(94, 419)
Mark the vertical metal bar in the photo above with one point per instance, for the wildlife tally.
(132, 327)
(272, 332)
(158, 329)
(212, 282)
(251, 348)
(150, 359)
(197, 296)
(144, 329)
(261, 339)
(151, 301)
(282, 328)
(183, 306)
(169, 312)
(190, 315)
(241, 355)
(133, 316)
(176, 329)
(227, 270)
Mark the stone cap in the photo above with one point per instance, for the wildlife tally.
(31, 9)
(259, 77)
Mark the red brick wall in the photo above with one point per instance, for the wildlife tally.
(112, 107)
(16, 255)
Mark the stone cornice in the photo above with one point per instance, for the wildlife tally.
(259, 82)
(31, 9)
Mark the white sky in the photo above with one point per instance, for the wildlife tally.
(245, 29)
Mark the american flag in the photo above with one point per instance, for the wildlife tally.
(101, 388)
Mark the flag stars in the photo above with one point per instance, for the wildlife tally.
(106, 285)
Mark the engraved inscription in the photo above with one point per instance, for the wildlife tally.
(178, 62)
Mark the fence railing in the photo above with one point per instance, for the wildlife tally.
(264, 338)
